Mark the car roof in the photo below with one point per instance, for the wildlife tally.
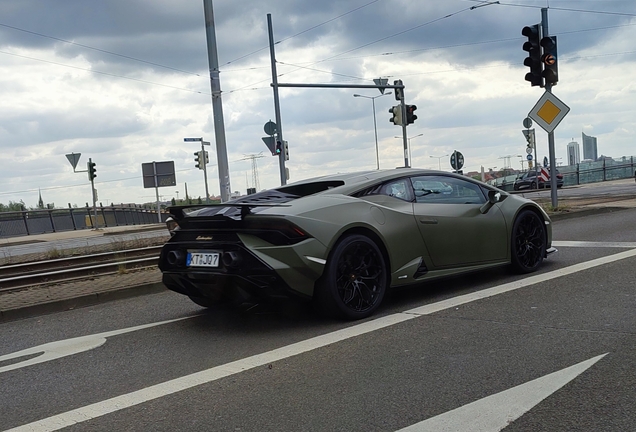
(347, 183)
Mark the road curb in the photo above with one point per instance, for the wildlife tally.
(81, 301)
(585, 212)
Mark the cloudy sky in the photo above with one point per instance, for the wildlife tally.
(124, 81)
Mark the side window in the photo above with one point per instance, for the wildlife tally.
(446, 190)
(400, 189)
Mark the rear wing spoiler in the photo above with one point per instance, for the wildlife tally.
(178, 212)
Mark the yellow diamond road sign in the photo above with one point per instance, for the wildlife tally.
(549, 111)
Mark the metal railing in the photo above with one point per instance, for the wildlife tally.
(584, 172)
(41, 221)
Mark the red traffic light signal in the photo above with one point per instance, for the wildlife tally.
(410, 114)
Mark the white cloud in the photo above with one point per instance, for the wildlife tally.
(464, 72)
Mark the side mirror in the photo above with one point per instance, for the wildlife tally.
(493, 198)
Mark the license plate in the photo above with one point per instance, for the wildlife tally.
(203, 259)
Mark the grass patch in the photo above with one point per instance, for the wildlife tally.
(54, 253)
(547, 206)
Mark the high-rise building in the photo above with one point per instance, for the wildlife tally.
(574, 156)
(590, 151)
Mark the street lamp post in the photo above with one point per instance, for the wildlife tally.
(375, 126)
(409, 141)
(439, 160)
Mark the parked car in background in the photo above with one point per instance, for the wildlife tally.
(529, 180)
(344, 240)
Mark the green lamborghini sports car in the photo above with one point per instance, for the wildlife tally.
(343, 240)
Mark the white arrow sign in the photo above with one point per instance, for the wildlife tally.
(495, 412)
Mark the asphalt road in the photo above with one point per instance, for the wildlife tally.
(550, 351)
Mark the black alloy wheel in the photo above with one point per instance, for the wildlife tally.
(355, 279)
(528, 242)
(533, 185)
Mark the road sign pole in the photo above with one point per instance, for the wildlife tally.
(548, 87)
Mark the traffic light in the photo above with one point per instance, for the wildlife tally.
(198, 158)
(533, 61)
(91, 169)
(279, 148)
(286, 146)
(207, 159)
(399, 92)
(397, 115)
(549, 59)
(410, 114)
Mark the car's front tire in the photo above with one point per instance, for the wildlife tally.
(528, 242)
(355, 279)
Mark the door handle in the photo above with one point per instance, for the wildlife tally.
(428, 221)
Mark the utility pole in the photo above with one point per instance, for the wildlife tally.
(217, 104)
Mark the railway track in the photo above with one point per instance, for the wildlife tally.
(19, 276)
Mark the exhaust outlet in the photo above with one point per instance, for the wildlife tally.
(231, 259)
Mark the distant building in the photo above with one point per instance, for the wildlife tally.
(574, 156)
(590, 150)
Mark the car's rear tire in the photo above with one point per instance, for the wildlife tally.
(528, 242)
(533, 185)
(355, 279)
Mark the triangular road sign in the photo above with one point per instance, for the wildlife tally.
(73, 158)
(381, 81)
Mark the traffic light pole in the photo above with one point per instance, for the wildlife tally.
(95, 223)
(551, 154)
(404, 136)
(205, 171)
(279, 123)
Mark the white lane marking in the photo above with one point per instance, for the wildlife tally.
(156, 391)
(58, 349)
(494, 413)
(511, 286)
(589, 244)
